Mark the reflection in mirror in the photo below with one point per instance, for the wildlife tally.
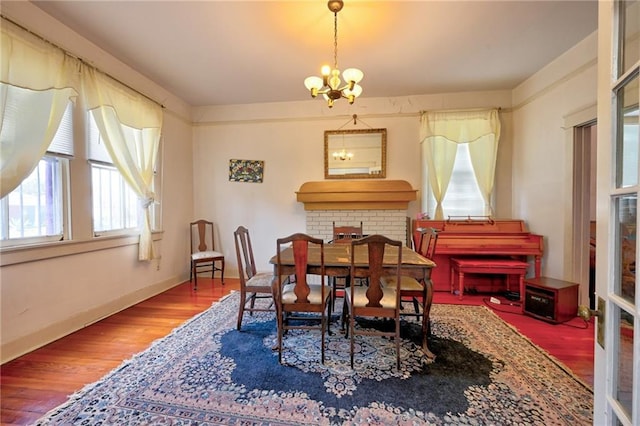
(355, 154)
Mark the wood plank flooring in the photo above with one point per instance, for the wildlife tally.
(33, 384)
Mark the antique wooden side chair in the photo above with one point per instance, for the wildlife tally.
(204, 258)
(373, 300)
(253, 285)
(299, 304)
(411, 288)
(343, 234)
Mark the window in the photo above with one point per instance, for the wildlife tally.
(33, 211)
(115, 204)
(463, 197)
(50, 88)
(459, 151)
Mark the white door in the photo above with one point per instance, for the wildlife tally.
(617, 348)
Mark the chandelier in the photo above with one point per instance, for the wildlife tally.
(330, 86)
(342, 155)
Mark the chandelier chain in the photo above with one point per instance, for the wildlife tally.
(335, 40)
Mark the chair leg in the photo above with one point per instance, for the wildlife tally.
(344, 318)
(253, 297)
(280, 325)
(351, 328)
(222, 272)
(397, 339)
(194, 271)
(416, 305)
(243, 296)
(323, 324)
(328, 318)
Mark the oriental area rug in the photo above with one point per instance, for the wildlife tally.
(207, 373)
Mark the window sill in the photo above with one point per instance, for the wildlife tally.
(42, 251)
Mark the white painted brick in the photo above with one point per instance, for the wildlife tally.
(391, 223)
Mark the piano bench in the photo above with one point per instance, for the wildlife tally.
(487, 265)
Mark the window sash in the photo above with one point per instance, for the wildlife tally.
(115, 204)
(33, 212)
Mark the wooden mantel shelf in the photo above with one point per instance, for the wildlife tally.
(356, 195)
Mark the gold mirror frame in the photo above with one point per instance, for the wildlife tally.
(355, 154)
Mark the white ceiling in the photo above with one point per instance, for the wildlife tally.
(236, 52)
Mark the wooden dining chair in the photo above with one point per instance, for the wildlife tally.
(373, 300)
(411, 288)
(343, 234)
(204, 257)
(253, 285)
(296, 300)
(346, 233)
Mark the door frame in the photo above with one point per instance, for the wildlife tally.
(577, 239)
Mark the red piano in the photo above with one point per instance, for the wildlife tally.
(479, 237)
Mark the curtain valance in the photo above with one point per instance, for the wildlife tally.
(460, 126)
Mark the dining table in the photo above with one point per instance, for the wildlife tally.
(337, 262)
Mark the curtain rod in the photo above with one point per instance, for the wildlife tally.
(84, 61)
(461, 110)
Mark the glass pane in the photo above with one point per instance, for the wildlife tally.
(626, 212)
(115, 205)
(624, 382)
(627, 157)
(630, 16)
(463, 197)
(34, 209)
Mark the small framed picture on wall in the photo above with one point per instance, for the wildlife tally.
(246, 170)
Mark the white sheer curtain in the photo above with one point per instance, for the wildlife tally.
(440, 134)
(37, 80)
(130, 126)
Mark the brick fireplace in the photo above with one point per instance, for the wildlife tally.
(381, 206)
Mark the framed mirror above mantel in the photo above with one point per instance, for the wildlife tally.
(355, 154)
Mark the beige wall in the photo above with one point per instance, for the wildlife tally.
(546, 107)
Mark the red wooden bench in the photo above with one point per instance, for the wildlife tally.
(487, 265)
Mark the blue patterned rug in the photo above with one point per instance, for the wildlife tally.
(207, 373)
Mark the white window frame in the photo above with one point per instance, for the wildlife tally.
(60, 190)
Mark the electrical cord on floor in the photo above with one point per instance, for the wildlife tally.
(586, 325)
(494, 306)
(487, 301)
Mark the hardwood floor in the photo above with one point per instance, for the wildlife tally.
(34, 383)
